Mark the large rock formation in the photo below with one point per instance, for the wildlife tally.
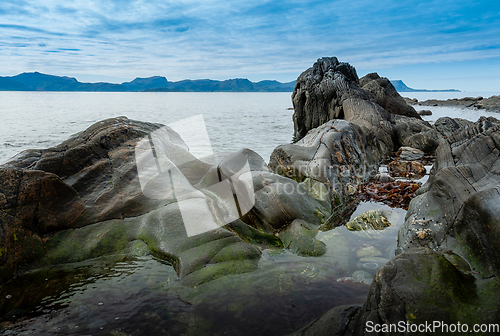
(345, 130)
(457, 209)
(448, 266)
(84, 199)
(384, 93)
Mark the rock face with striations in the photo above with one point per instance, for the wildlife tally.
(346, 130)
(383, 93)
(447, 266)
(85, 198)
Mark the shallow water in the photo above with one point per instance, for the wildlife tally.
(140, 295)
(455, 112)
(136, 295)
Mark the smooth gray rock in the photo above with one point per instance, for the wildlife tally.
(457, 209)
(280, 200)
(446, 125)
(415, 133)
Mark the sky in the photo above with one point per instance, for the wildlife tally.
(428, 44)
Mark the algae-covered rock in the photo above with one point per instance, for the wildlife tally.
(369, 220)
(368, 251)
(86, 198)
(299, 237)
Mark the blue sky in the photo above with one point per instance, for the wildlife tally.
(428, 44)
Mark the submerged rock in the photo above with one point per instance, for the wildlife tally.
(369, 220)
(299, 237)
(362, 277)
(368, 251)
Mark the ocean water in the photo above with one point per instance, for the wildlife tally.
(131, 295)
(259, 121)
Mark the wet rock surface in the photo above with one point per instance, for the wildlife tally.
(83, 199)
(492, 103)
(446, 247)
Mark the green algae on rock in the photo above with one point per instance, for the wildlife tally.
(369, 220)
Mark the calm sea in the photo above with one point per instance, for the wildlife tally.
(259, 121)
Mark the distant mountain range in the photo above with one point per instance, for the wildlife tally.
(401, 87)
(35, 81)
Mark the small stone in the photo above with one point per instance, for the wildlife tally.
(421, 234)
(100, 303)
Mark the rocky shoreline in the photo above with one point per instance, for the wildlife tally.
(97, 195)
(489, 104)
